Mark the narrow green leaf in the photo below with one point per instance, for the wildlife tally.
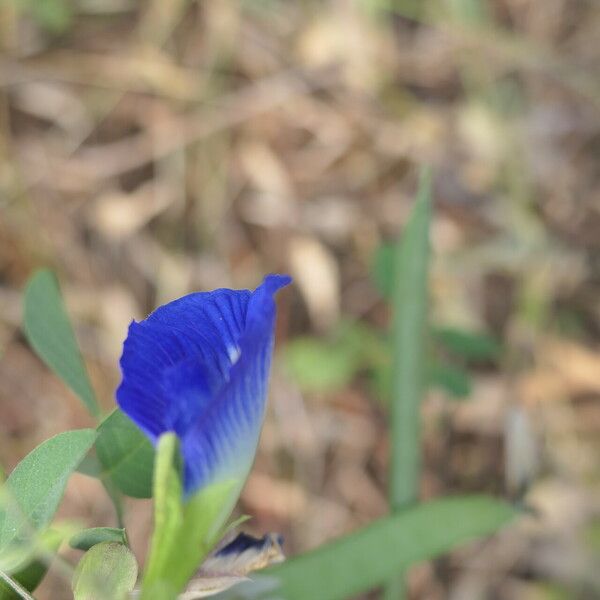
(409, 359)
(126, 455)
(365, 559)
(38, 482)
(48, 329)
(108, 571)
(84, 540)
(409, 362)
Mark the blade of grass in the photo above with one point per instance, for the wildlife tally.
(364, 559)
(408, 359)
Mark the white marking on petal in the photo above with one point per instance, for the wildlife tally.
(234, 354)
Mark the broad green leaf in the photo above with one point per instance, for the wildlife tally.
(469, 345)
(107, 571)
(84, 540)
(184, 533)
(367, 558)
(30, 574)
(37, 484)
(126, 455)
(48, 329)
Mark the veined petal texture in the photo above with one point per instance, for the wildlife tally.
(199, 366)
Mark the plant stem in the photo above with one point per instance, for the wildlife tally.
(21, 591)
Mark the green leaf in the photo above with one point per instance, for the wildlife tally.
(367, 558)
(183, 533)
(30, 574)
(469, 345)
(325, 365)
(38, 482)
(410, 295)
(319, 365)
(84, 540)
(53, 15)
(126, 455)
(108, 571)
(48, 329)
(408, 355)
(453, 380)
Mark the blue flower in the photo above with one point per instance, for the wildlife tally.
(199, 366)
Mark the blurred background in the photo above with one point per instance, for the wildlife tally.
(153, 148)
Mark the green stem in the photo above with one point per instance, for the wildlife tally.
(18, 589)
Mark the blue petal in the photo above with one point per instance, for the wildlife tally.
(199, 366)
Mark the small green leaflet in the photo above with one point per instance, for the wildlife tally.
(108, 571)
(48, 329)
(84, 540)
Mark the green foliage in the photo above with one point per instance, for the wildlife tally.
(451, 350)
(409, 363)
(108, 571)
(184, 533)
(49, 332)
(470, 346)
(384, 268)
(84, 540)
(126, 455)
(365, 559)
(326, 365)
(409, 345)
(53, 15)
(37, 484)
(34, 567)
(321, 366)
(455, 381)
